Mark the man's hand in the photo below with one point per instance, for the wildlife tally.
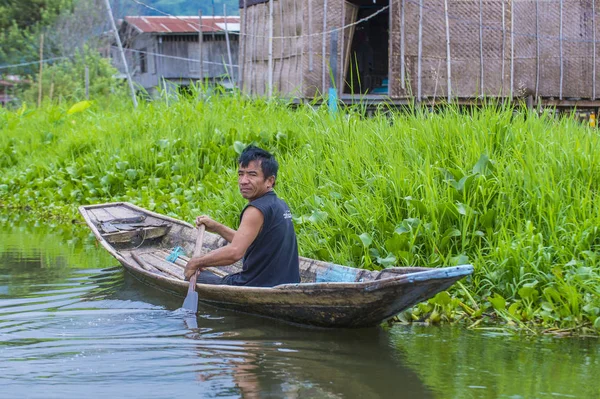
(192, 266)
(210, 224)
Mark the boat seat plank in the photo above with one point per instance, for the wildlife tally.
(145, 233)
(122, 212)
(101, 214)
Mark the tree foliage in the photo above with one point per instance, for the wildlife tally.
(65, 80)
(21, 22)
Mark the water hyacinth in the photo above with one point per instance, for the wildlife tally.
(512, 192)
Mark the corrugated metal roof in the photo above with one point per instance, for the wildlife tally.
(187, 24)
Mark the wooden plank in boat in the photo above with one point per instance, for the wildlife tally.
(147, 266)
(146, 233)
(154, 262)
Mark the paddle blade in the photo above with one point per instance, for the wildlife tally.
(191, 300)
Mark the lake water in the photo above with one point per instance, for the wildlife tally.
(73, 324)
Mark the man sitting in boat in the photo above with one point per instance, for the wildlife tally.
(265, 239)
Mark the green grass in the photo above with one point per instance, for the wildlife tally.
(513, 193)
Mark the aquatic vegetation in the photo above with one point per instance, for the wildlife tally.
(512, 192)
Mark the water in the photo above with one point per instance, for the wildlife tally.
(74, 324)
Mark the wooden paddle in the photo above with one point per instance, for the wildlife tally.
(191, 300)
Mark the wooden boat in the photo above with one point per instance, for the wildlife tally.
(329, 295)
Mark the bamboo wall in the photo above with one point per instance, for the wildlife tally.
(287, 48)
(499, 48)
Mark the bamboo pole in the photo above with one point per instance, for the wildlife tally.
(282, 35)
(560, 90)
(537, 48)
(420, 52)
(310, 42)
(270, 62)
(594, 50)
(402, 50)
(118, 39)
(503, 46)
(242, 43)
(200, 45)
(448, 58)
(253, 57)
(342, 52)
(324, 48)
(87, 82)
(390, 46)
(481, 82)
(40, 80)
(229, 58)
(512, 48)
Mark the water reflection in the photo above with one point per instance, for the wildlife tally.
(72, 324)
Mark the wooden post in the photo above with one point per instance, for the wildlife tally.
(560, 39)
(481, 49)
(402, 50)
(594, 50)
(242, 44)
(118, 39)
(87, 83)
(270, 62)
(231, 73)
(40, 80)
(324, 48)
(537, 48)
(420, 52)
(448, 58)
(200, 45)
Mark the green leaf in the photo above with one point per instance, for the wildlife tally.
(131, 174)
(366, 239)
(79, 107)
(238, 146)
(442, 298)
(498, 302)
(483, 166)
(597, 324)
(459, 260)
(317, 216)
(388, 261)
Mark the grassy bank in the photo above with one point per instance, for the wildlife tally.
(515, 194)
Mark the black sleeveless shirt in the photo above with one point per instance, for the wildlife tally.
(272, 258)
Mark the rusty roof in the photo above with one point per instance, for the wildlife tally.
(186, 24)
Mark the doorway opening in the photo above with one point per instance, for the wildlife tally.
(367, 48)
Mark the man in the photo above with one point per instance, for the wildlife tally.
(265, 239)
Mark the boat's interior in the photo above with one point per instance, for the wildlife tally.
(162, 246)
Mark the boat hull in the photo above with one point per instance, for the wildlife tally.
(360, 299)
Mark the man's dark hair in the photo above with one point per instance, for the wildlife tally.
(268, 164)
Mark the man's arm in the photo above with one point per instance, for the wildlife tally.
(216, 227)
(250, 226)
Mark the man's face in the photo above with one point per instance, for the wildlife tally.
(252, 182)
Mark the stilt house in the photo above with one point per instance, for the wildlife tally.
(423, 50)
